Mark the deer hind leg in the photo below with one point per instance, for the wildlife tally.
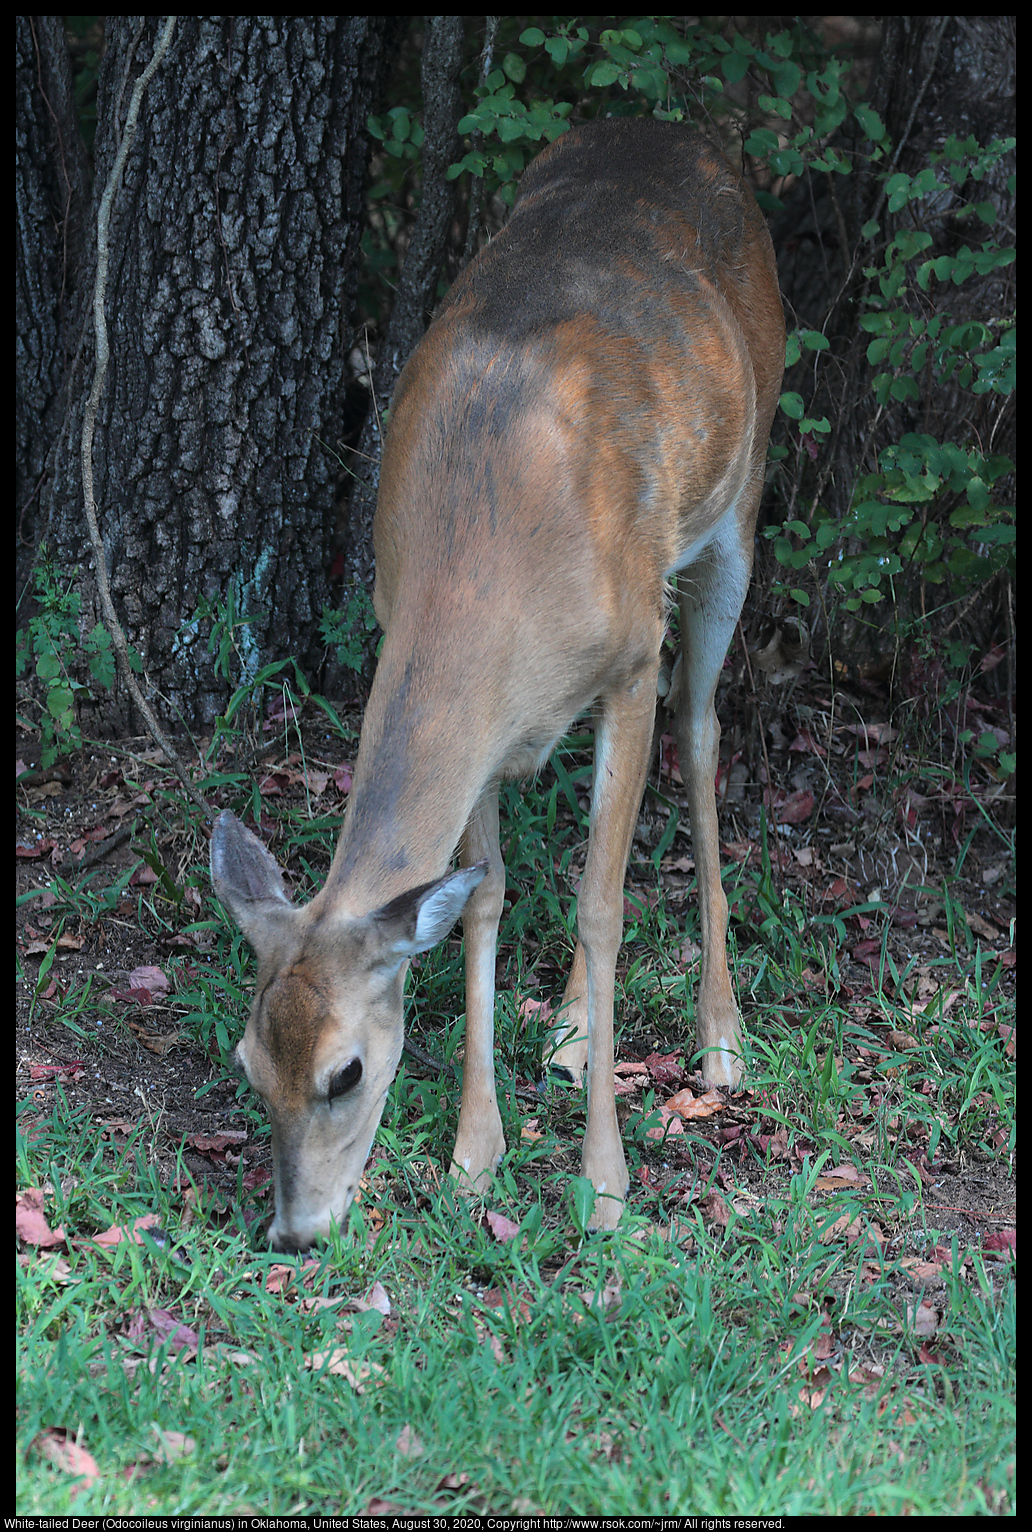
(569, 1056)
(623, 740)
(480, 1142)
(710, 598)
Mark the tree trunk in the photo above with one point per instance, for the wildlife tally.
(233, 240)
(51, 197)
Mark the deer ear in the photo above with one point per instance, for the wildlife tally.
(247, 880)
(419, 919)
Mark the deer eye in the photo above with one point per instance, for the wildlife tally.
(345, 1079)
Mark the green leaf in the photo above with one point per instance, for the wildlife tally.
(781, 43)
(678, 51)
(776, 104)
(910, 242)
(869, 121)
(582, 1200)
(61, 704)
(604, 73)
(787, 78)
(762, 142)
(904, 388)
(786, 162)
(652, 83)
(509, 129)
(897, 190)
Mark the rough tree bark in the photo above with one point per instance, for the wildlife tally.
(51, 198)
(231, 280)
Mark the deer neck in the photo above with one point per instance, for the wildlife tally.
(421, 768)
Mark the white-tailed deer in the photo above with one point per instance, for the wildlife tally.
(585, 421)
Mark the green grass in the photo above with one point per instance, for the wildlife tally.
(620, 1375)
(773, 1357)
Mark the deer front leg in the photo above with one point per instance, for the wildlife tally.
(623, 740)
(480, 1142)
